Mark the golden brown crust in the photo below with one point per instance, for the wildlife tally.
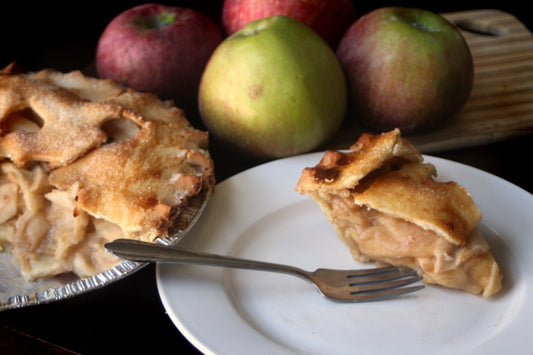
(411, 193)
(344, 170)
(86, 161)
(386, 206)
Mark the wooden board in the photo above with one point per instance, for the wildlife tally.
(501, 103)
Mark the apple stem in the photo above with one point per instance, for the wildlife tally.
(163, 19)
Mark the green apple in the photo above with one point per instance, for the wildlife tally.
(406, 67)
(273, 89)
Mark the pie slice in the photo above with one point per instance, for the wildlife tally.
(84, 161)
(386, 206)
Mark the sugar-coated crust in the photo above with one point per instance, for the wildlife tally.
(395, 182)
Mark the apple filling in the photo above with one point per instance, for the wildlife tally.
(373, 236)
(396, 213)
(46, 232)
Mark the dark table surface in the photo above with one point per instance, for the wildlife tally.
(127, 316)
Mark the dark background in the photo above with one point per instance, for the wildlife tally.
(127, 316)
(64, 37)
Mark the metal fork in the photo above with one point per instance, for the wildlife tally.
(342, 285)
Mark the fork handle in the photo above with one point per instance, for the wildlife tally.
(151, 252)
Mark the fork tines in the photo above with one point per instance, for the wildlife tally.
(382, 283)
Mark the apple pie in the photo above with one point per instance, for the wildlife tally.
(85, 161)
(386, 206)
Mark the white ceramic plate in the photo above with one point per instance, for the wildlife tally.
(258, 214)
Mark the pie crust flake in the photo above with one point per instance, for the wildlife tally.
(85, 161)
(386, 206)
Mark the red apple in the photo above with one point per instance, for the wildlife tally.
(158, 48)
(407, 68)
(330, 19)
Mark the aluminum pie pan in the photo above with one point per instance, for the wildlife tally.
(17, 292)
